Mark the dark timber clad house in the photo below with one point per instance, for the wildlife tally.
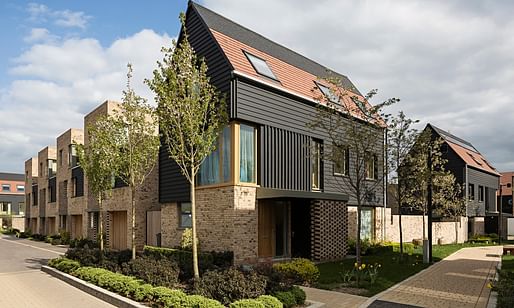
(477, 175)
(261, 194)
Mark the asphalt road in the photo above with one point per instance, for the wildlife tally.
(22, 284)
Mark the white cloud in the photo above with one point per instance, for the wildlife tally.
(58, 83)
(64, 18)
(40, 35)
(449, 61)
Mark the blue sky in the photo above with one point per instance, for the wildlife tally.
(449, 61)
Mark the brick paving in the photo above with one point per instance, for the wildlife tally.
(332, 299)
(459, 280)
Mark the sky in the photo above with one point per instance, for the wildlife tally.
(449, 62)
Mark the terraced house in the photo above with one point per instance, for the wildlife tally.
(12, 201)
(59, 198)
(266, 193)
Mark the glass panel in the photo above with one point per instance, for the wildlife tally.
(261, 66)
(210, 169)
(185, 215)
(247, 153)
(211, 172)
(315, 162)
(366, 224)
(226, 154)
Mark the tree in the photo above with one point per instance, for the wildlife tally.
(449, 199)
(400, 139)
(191, 114)
(98, 160)
(355, 131)
(137, 141)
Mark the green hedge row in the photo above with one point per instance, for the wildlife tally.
(133, 288)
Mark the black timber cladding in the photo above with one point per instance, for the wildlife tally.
(283, 129)
(78, 174)
(257, 41)
(173, 186)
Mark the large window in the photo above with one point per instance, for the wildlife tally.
(247, 153)
(5, 207)
(480, 193)
(185, 215)
(471, 191)
(216, 167)
(52, 168)
(341, 161)
(72, 156)
(21, 208)
(316, 165)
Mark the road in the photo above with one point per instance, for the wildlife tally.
(23, 284)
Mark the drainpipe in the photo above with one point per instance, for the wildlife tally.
(385, 186)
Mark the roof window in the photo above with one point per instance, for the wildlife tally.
(260, 66)
(329, 94)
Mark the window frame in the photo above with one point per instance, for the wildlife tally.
(371, 158)
(181, 213)
(255, 153)
(316, 159)
(345, 160)
(6, 187)
(18, 188)
(471, 191)
(481, 193)
(252, 57)
(220, 148)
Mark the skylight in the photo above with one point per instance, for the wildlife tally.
(260, 66)
(329, 94)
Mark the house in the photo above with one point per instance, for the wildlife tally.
(12, 201)
(504, 195)
(262, 194)
(60, 200)
(474, 173)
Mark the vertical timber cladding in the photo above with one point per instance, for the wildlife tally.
(329, 230)
(285, 159)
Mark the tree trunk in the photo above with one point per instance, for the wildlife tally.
(100, 223)
(133, 209)
(456, 231)
(193, 227)
(358, 243)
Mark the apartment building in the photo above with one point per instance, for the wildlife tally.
(12, 201)
(61, 201)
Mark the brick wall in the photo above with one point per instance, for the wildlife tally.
(227, 219)
(329, 230)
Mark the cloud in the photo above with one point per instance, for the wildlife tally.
(57, 83)
(448, 61)
(40, 35)
(41, 13)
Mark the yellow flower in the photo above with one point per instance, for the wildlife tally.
(380, 265)
(363, 266)
(490, 285)
(356, 264)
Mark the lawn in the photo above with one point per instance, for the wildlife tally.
(391, 271)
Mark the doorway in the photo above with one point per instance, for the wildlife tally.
(274, 228)
(118, 232)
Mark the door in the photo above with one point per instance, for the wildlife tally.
(76, 226)
(153, 228)
(265, 229)
(274, 233)
(118, 234)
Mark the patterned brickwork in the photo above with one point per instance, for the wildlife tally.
(329, 230)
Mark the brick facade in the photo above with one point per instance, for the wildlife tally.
(329, 230)
(227, 219)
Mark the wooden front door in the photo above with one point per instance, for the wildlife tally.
(76, 226)
(153, 228)
(274, 232)
(118, 232)
(265, 229)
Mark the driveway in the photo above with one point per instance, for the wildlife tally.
(22, 284)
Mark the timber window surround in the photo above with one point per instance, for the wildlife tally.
(371, 164)
(480, 193)
(341, 158)
(471, 191)
(316, 165)
(234, 160)
(260, 66)
(185, 218)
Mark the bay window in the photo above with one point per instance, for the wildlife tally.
(247, 153)
(216, 166)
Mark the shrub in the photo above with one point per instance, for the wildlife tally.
(269, 301)
(231, 285)
(195, 301)
(186, 242)
(286, 298)
(67, 266)
(86, 257)
(83, 243)
(38, 237)
(301, 271)
(247, 303)
(276, 281)
(207, 260)
(158, 273)
(65, 237)
(299, 295)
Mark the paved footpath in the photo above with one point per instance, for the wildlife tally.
(23, 284)
(460, 280)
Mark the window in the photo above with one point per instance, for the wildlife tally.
(65, 189)
(20, 188)
(261, 66)
(52, 168)
(371, 166)
(185, 215)
(480, 193)
(74, 187)
(212, 171)
(6, 187)
(247, 153)
(34, 195)
(5, 207)
(341, 161)
(328, 93)
(41, 169)
(471, 191)
(21, 208)
(72, 156)
(316, 166)
(60, 157)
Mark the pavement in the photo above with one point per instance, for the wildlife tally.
(460, 280)
(22, 284)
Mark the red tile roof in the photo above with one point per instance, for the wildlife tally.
(472, 158)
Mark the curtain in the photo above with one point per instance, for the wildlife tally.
(209, 170)
(226, 154)
(247, 153)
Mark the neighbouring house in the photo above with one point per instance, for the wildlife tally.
(267, 192)
(504, 194)
(478, 178)
(12, 201)
(59, 198)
